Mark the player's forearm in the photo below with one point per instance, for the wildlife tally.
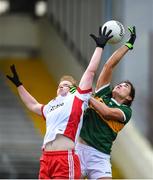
(30, 102)
(88, 76)
(107, 71)
(95, 60)
(117, 56)
(100, 107)
(106, 112)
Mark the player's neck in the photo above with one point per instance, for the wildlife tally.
(118, 99)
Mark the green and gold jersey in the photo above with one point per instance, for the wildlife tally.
(98, 132)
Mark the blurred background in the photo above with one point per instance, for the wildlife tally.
(46, 39)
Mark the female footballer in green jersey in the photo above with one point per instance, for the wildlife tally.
(108, 113)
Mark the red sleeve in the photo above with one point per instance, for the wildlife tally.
(42, 107)
(84, 91)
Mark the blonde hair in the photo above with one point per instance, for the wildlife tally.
(69, 78)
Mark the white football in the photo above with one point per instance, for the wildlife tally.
(118, 31)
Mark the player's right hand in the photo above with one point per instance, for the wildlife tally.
(15, 79)
(103, 37)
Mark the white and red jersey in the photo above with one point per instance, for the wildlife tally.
(64, 115)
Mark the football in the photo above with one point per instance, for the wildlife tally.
(118, 31)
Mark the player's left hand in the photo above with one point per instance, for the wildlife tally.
(132, 39)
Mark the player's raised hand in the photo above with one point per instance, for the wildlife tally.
(132, 39)
(103, 37)
(15, 78)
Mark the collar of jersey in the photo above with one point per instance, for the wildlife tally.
(115, 101)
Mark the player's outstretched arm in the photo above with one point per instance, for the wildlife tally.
(88, 76)
(105, 76)
(25, 96)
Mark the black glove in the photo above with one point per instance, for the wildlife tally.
(72, 89)
(15, 79)
(103, 37)
(132, 39)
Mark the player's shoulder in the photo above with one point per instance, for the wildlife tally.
(103, 90)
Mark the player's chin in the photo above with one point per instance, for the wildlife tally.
(63, 93)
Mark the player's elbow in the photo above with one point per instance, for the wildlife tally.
(35, 107)
(105, 114)
(91, 73)
(108, 66)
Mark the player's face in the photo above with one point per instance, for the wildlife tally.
(63, 88)
(122, 90)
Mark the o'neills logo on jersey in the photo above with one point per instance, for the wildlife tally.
(55, 107)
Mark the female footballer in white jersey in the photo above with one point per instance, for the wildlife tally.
(63, 117)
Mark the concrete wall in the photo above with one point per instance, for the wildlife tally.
(58, 58)
(19, 35)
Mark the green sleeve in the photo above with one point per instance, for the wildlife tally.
(104, 90)
(127, 112)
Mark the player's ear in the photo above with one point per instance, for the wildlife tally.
(129, 98)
